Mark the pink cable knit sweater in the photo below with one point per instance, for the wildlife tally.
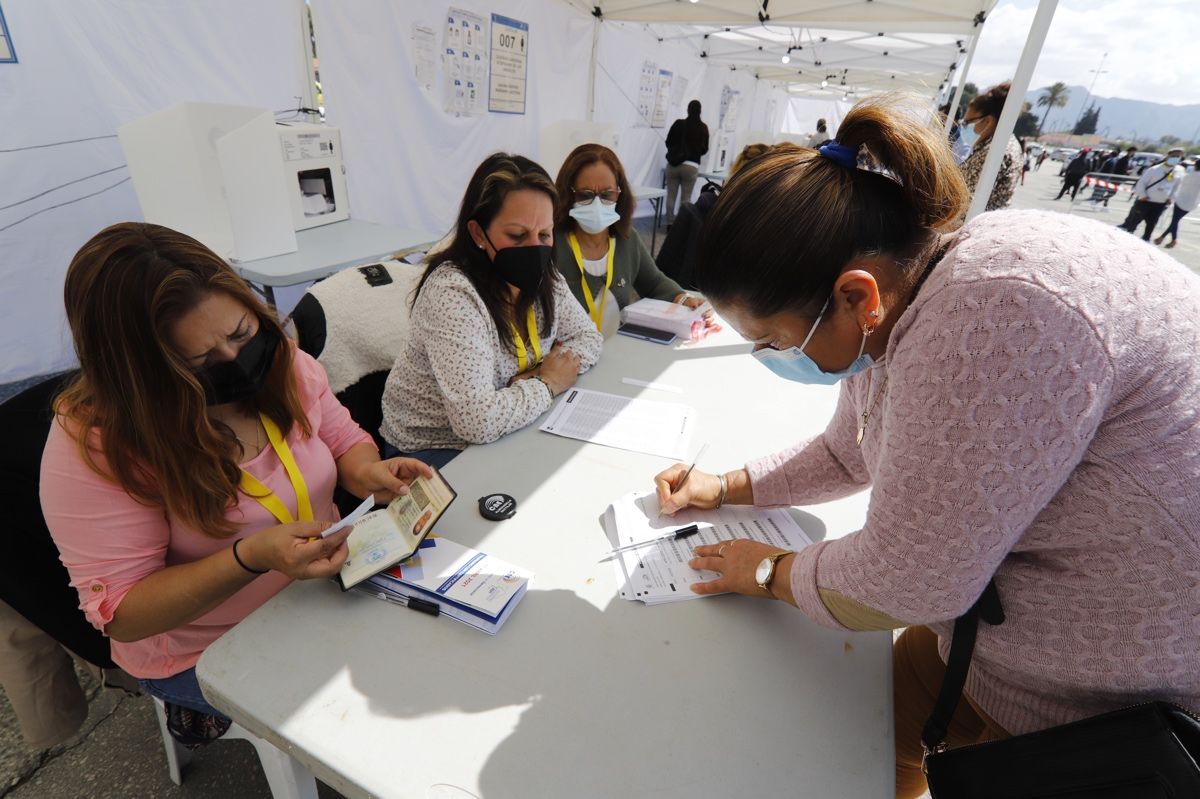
(1041, 423)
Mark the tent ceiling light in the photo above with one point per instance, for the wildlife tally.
(786, 58)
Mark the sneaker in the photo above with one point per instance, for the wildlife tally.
(192, 728)
(1170, 244)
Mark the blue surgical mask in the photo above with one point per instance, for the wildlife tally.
(595, 217)
(792, 364)
(1173, 160)
(968, 135)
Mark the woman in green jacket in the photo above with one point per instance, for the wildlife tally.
(595, 247)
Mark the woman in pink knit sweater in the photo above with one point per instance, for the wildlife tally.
(193, 458)
(1022, 399)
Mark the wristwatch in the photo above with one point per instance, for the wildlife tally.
(766, 570)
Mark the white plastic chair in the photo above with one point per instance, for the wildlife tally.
(286, 776)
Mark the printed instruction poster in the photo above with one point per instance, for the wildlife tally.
(647, 89)
(731, 106)
(510, 65)
(465, 61)
(424, 55)
(661, 100)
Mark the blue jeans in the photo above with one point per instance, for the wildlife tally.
(181, 689)
(437, 458)
(1177, 213)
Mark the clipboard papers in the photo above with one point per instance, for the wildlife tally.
(659, 572)
(656, 428)
(385, 537)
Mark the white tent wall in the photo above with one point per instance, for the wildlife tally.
(803, 113)
(84, 70)
(407, 160)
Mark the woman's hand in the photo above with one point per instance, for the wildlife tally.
(560, 369)
(390, 478)
(736, 561)
(701, 490)
(286, 548)
(692, 301)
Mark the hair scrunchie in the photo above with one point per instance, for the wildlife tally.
(840, 154)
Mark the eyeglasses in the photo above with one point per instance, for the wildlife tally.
(585, 196)
(971, 121)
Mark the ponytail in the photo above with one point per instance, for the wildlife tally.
(788, 224)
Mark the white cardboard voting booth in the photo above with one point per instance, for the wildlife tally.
(214, 172)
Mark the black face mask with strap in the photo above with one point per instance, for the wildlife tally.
(245, 375)
(523, 267)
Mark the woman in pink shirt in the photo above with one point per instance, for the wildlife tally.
(195, 456)
(1020, 398)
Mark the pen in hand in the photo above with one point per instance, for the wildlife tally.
(687, 474)
(676, 535)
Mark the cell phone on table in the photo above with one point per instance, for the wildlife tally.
(647, 333)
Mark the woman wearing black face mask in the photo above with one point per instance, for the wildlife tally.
(496, 334)
(193, 458)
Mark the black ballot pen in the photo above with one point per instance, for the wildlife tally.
(676, 535)
(412, 603)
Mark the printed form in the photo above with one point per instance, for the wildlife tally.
(657, 428)
(659, 572)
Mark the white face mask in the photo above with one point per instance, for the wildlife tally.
(968, 135)
(1173, 160)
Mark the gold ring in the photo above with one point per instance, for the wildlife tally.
(721, 550)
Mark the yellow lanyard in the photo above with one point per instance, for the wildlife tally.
(522, 354)
(597, 314)
(265, 496)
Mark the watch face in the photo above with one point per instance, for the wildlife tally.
(763, 572)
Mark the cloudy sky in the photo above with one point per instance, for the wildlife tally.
(1153, 47)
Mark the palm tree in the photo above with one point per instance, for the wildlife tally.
(1055, 96)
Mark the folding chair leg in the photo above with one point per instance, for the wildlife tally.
(288, 778)
(178, 755)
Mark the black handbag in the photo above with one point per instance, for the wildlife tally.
(1144, 751)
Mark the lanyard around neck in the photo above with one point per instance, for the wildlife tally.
(522, 353)
(597, 314)
(268, 498)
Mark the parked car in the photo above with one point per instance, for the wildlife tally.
(1063, 154)
(1143, 160)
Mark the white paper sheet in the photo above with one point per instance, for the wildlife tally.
(659, 572)
(657, 428)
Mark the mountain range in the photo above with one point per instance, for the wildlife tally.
(1122, 118)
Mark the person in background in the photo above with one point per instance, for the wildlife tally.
(820, 137)
(980, 118)
(1041, 157)
(1018, 396)
(1124, 164)
(1073, 174)
(959, 147)
(495, 334)
(1186, 199)
(677, 256)
(687, 143)
(1153, 192)
(193, 460)
(595, 246)
(1026, 162)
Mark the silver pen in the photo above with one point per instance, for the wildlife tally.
(687, 474)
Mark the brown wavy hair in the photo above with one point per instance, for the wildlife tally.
(497, 176)
(584, 156)
(787, 224)
(125, 289)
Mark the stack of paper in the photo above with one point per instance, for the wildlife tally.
(671, 317)
(466, 585)
(658, 428)
(659, 572)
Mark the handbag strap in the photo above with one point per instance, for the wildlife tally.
(988, 608)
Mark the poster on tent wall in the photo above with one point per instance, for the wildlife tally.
(7, 54)
(465, 61)
(647, 90)
(661, 99)
(678, 88)
(731, 106)
(424, 49)
(510, 65)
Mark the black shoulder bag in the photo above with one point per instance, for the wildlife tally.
(1144, 751)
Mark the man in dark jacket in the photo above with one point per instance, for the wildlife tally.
(1078, 167)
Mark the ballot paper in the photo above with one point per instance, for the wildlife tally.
(657, 428)
(659, 571)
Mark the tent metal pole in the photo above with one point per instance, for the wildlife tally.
(309, 98)
(1013, 105)
(962, 81)
(591, 101)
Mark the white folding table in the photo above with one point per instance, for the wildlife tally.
(582, 694)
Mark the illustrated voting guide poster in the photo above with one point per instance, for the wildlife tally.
(661, 100)
(465, 59)
(510, 65)
(659, 572)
